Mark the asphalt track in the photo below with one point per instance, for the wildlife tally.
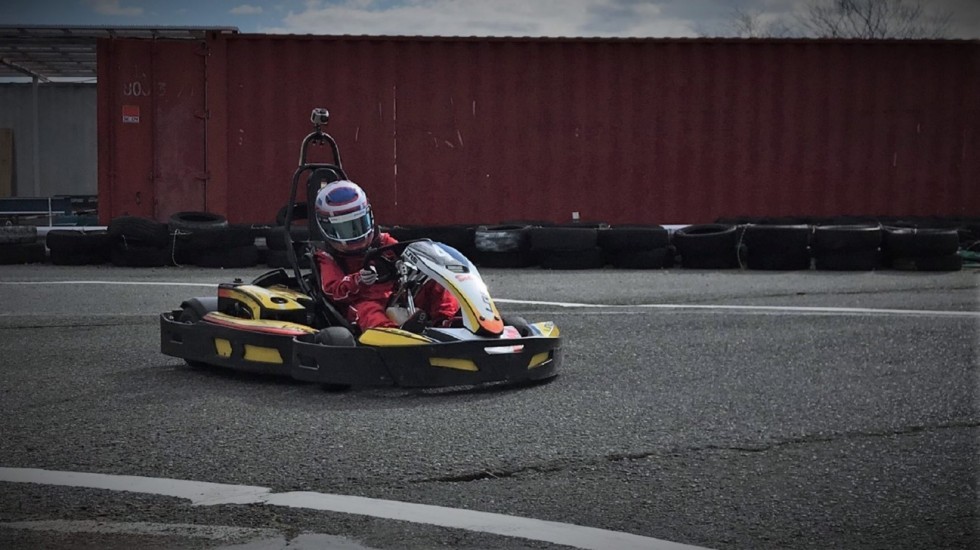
(704, 408)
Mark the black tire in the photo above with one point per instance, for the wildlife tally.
(846, 237)
(459, 237)
(300, 212)
(143, 231)
(657, 258)
(514, 259)
(218, 237)
(60, 256)
(907, 242)
(238, 256)
(280, 258)
(632, 238)
(17, 234)
(192, 314)
(335, 336)
(777, 247)
(549, 239)
(950, 262)
(404, 232)
(276, 239)
(196, 221)
(134, 254)
(500, 238)
(707, 246)
(78, 242)
(22, 253)
(518, 322)
(572, 259)
(199, 307)
(853, 260)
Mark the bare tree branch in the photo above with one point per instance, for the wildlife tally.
(874, 19)
(751, 24)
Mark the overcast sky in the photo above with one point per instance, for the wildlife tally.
(596, 18)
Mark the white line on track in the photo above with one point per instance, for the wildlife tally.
(775, 309)
(202, 493)
(708, 307)
(121, 283)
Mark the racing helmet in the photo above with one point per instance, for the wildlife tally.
(343, 216)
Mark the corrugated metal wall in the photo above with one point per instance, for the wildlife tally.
(653, 131)
(67, 137)
(152, 124)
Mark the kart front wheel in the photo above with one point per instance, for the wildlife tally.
(335, 336)
(190, 314)
(518, 322)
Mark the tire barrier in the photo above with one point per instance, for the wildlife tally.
(587, 258)
(276, 237)
(562, 247)
(655, 258)
(198, 235)
(632, 238)
(502, 246)
(210, 245)
(139, 242)
(18, 234)
(949, 262)
(208, 240)
(18, 245)
(126, 253)
(194, 221)
(69, 247)
(280, 258)
(300, 212)
(22, 253)
(913, 249)
(776, 247)
(846, 247)
(142, 231)
(231, 256)
(636, 247)
(707, 246)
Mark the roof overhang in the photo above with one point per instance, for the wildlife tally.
(53, 51)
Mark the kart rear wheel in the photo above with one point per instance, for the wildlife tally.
(335, 336)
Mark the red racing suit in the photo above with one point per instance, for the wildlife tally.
(366, 304)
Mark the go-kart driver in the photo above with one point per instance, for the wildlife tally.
(344, 219)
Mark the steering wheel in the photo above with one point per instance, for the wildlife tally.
(376, 258)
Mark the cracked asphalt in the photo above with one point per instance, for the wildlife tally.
(721, 428)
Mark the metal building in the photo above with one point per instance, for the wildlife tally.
(485, 130)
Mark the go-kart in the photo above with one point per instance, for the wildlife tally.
(282, 323)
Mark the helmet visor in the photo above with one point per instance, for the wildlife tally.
(346, 227)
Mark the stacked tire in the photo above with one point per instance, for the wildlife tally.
(563, 247)
(846, 247)
(913, 249)
(636, 247)
(776, 247)
(207, 240)
(275, 253)
(502, 246)
(70, 247)
(19, 245)
(139, 242)
(707, 246)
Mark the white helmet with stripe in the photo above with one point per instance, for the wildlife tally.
(344, 217)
